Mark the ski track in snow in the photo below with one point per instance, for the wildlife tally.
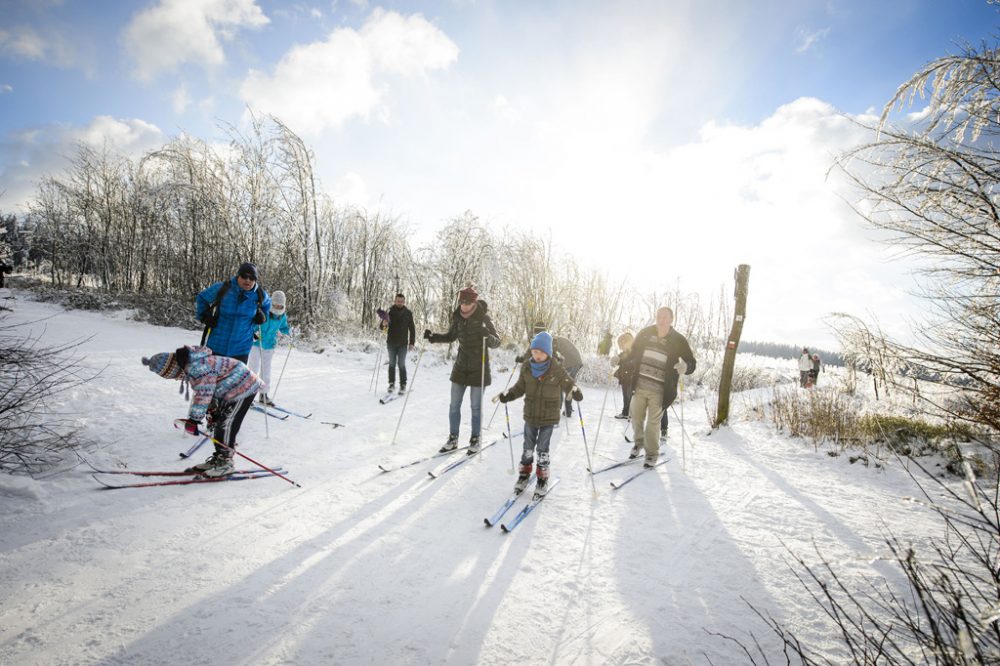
(364, 567)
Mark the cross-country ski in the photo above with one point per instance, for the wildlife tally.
(532, 504)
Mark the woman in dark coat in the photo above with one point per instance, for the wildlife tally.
(472, 327)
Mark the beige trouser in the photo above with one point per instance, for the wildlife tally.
(646, 411)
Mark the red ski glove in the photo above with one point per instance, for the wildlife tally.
(191, 426)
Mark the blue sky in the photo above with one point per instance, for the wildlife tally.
(665, 140)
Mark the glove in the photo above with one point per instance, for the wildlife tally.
(501, 397)
(210, 318)
(260, 317)
(191, 426)
(427, 334)
(519, 358)
(492, 341)
(577, 394)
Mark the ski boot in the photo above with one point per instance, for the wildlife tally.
(223, 466)
(402, 389)
(523, 479)
(663, 434)
(210, 462)
(475, 445)
(450, 445)
(541, 482)
(636, 451)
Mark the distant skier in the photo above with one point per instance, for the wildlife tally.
(658, 357)
(227, 382)
(817, 367)
(231, 312)
(805, 366)
(401, 337)
(542, 381)
(262, 352)
(471, 326)
(623, 373)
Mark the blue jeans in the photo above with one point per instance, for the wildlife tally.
(397, 354)
(455, 411)
(537, 438)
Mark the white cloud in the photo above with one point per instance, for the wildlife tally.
(175, 32)
(28, 155)
(49, 44)
(324, 84)
(805, 38)
(6, 88)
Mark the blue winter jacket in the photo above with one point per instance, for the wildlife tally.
(233, 335)
(269, 331)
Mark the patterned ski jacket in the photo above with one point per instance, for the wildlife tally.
(470, 333)
(233, 334)
(543, 401)
(219, 377)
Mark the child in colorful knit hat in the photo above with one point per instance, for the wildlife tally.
(271, 331)
(226, 381)
(542, 382)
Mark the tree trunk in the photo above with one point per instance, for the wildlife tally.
(742, 275)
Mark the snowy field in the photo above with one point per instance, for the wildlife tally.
(363, 567)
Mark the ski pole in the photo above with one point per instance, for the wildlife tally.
(260, 337)
(406, 398)
(177, 423)
(506, 386)
(283, 365)
(510, 440)
(583, 432)
(604, 404)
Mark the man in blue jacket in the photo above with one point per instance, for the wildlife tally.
(231, 311)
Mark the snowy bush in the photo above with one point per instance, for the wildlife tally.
(32, 437)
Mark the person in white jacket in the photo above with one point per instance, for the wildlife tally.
(805, 365)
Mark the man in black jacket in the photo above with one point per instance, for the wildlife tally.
(401, 336)
(658, 356)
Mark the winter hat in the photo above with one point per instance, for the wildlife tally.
(543, 342)
(247, 269)
(468, 295)
(169, 365)
(539, 326)
(278, 303)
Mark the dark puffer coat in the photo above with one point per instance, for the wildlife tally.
(468, 368)
(543, 401)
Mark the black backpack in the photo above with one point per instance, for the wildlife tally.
(211, 316)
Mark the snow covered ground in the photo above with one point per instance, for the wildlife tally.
(363, 567)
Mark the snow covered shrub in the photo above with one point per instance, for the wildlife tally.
(32, 436)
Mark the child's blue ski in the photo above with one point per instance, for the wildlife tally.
(194, 447)
(495, 518)
(435, 473)
(261, 408)
(530, 506)
(288, 411)
(618, 484)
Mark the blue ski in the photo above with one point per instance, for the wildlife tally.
(619, 484)
(288, 411)
(529, 507)
(495, 518)
(194, 447)
(260, 408)
(435, 473)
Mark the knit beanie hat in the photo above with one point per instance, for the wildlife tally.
(543, 342)
(247, 268)
(468, 295)
(278, 303)
(169, 365)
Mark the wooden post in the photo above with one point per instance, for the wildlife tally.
(742, 275)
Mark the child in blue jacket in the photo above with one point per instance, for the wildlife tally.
(262, 351)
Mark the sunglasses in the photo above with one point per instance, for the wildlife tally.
(248, 276)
